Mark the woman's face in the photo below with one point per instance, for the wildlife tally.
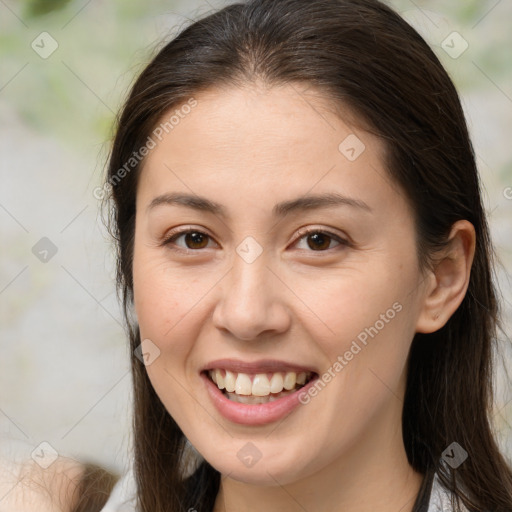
(275, 282)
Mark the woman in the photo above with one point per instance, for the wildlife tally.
(305, 268)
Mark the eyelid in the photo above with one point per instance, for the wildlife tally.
(301, 233)
(341, 239)
(169, 238)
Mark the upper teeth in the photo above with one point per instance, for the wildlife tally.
(259, 384)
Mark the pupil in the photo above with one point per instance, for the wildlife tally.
(319, 237)
(194, 238)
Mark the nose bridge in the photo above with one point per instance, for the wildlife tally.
(250, 302)
(249, 268)
(249, 271)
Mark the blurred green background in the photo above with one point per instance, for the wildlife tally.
(64, 369)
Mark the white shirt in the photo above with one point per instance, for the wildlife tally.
(122, 498)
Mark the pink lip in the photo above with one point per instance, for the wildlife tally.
(257, 414)
(261, 366)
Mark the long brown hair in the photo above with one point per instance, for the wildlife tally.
(95, 485)
(362, 54)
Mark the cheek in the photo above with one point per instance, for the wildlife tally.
(367, 324)
(170, 305)
(164, 304)
(158, 292)
(345, 306)
(158, 298)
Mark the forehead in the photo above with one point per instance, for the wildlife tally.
(264, 142)
(234, 118)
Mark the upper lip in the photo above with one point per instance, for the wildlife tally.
(260, 366)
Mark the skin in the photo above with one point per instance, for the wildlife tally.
(248, 149)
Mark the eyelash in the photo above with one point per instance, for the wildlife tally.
(169, 241)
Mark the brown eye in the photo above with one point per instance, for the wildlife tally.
(320, 241)
(193, 240)
(196, 240)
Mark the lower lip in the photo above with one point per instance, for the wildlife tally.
(255, 414)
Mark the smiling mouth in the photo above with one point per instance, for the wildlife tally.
(258, 388)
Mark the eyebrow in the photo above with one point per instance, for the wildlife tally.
(308, 202)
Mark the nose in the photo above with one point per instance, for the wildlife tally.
(251, 301)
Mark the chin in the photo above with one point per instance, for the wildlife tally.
(241, 460)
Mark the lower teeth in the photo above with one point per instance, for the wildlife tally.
(251, 399)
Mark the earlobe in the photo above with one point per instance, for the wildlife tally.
(449, 279)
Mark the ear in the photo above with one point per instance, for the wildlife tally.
(448, 281)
